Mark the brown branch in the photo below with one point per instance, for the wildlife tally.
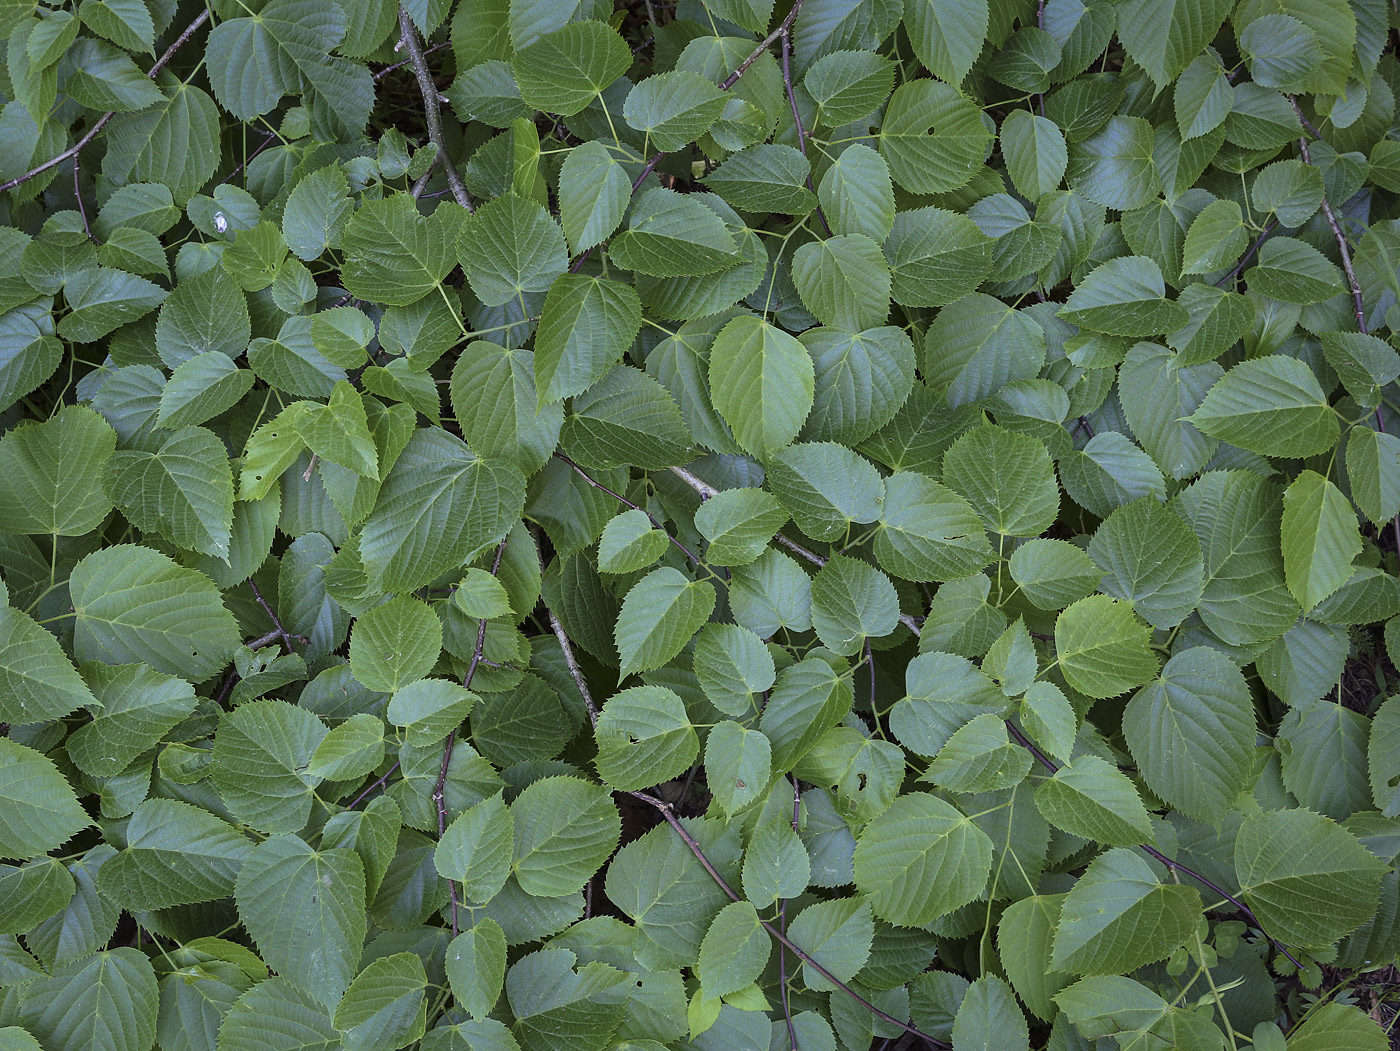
(432, 110)
(1152, 852)
(377, 784)
(782, 30)
(276, 624)
(439, 802)
(1244, 260)
(782, 926)
(622, 499)
(96, 129)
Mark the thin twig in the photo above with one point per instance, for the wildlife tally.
(668, 813)
(782, 926)
(622, 499)
(574, 670)
(380, 74)
(78, 195)
(743, 66)
(1153, 852)
(439, 787)
(266, 142)
(647, 169)
(276, 624)
(96, 129)
(797, 118)
(377, 784)
(1269, 228)
(432, 107)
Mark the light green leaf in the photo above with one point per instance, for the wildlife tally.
(1024, 935)
(395, 255)
(37, 680)
(1319, 538)
(512, 246)
(1124, 297)
(838, 935)
(627, 418)
(1163, 36)
(305, 909)
(1053, 573)
(856, 193)
(765, 178)
(933, 138)
(762, 382)
(671, 235)
(673, 109)
(1118, 917)
(947, 37)
(201, 388)
(586, 325)
(133, 707)
(316, 212)
(738, 763)
(629, 542)
(1216, 239)
(495, 403)
(1034, 148)
(395, 644)
(261, 754)
(1307, 878)
(183, 491)
(476, 967)
(735, 950)
(928, 531)
(350, 750)
(989, 1017)
(1273, 406)
(852, 601)
(843, 281)
(476, 849)
(135, 605)
(1150, 558)
(1007, 478)
(563, 71)
(439, 506)
(38, 809)
(977, 345)
(565, 829)
(921, 859)
(1103, 647)
(659, 615)
(644, 737)
(593, 195)
(339, 432)
(1094, 799)
(826, 487)
(385, 1005)
(739, 523)
(51, 474)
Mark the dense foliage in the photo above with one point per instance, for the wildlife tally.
(731, 528)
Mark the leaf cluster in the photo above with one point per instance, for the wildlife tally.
(553, 525)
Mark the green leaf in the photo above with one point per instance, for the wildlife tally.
(350, 750)
(275, 1015)
(1103, 647)
(735, 950)
(838, 935)
(593, 194)
(1150, 558)
(659, 615)
(339, 432)
(385, 1006)
(51, 474)
(261, 754)
(765, 178)
(1215, 240)
(1092, 798)
(175, 854)
(305, 909)
(762, 382)
(843, 281)
(1124, 297)
(826, 487)
(921, 859)
(495, 403)
(316, 212)
(476, 967)
(933, 138)
(37, 680)
(133, 707)
(1159, 392)
(1336, 1026)
(396, 255)
(739, 523)
(476, 850)
(438, 507)
(135, 605)
(1163, 38)
(1202, 98)
(979, 757)
(989, 1017)
(673, 109)
(1307, 878)
(563, 71)
(856, 193)
(1007, 478)
(1024, 935)
(183, 491)
(201, 388)
(1118, 917)
(1053, 573)
(928, 531)
(106, 1002)
(644, 737)
(33, 893)
(585, 327)
(38, 809)
(852, 601)
(627, 418)
(935, 256)
(1034, 148)
(671, 235)
(1271, 405)
(1198, 708)
(565, 829)
(1319, 538)
(977, 345)
(738, 763)
(947, 37)
(1293, 271)
(629, 542)
(395, 644)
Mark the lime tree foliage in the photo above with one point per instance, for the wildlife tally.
(545, 525)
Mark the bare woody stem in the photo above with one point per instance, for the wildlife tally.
(92, 133)
(439, 800)
(1156, 854)
(272, 616)
(432, 111)
(796, 116)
